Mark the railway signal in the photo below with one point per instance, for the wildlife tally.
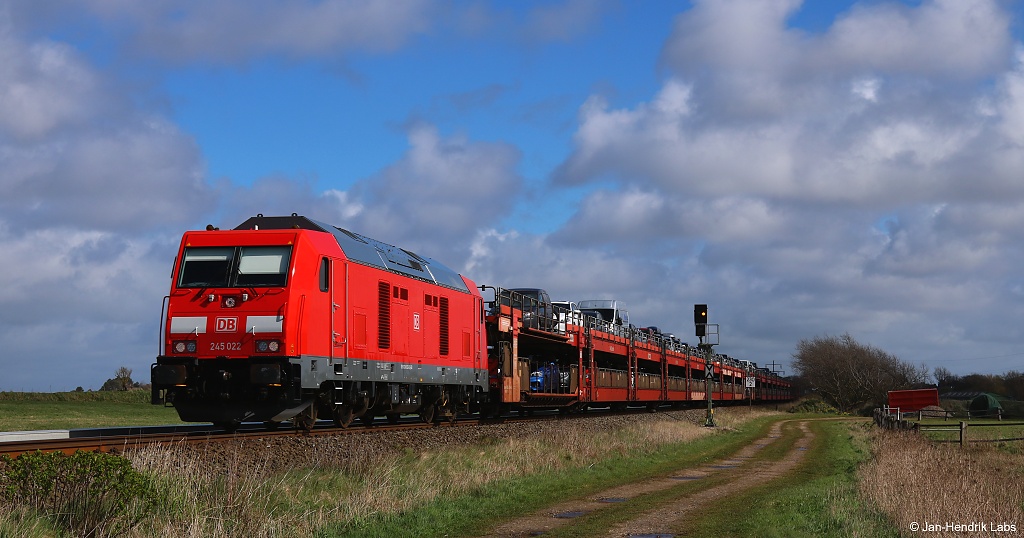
(700, 319)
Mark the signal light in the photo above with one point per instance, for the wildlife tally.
(700, 318)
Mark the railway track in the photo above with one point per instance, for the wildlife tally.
(118, 440)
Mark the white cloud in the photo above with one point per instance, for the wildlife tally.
(867, 88)
(437, 195)
(34, 80)
(835, 133)
(946, 38)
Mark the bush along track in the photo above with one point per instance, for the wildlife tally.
(87, 494)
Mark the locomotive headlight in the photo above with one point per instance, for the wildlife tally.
(268, 346)
(184, 346)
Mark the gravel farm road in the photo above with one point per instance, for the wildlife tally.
(661, 519)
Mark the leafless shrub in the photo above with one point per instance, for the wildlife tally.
(851, 375)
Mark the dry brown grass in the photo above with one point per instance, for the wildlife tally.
(916, 482)
(198, 503)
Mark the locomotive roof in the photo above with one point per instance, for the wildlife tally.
(365, 250)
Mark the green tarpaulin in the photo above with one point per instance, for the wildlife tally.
(985, 403)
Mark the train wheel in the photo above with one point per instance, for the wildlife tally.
(393, 418)
(428, 412)
(343, 415)
(367, 419)
(271, 425)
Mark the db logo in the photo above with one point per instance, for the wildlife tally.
(227, 325)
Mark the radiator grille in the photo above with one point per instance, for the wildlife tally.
(384, 315)
(444, 326)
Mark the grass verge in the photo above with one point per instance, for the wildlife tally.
(819, 498)
(485, 507)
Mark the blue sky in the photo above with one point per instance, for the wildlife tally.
(805, 168)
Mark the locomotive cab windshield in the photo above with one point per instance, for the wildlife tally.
(234, 267)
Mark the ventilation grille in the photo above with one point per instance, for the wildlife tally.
(444, 326)
(384, 315)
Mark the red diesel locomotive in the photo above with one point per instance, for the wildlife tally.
(288, 318)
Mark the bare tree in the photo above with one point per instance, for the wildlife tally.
(943, 377)
(123, 378)
(850, 375)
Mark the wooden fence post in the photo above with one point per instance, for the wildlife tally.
(963, 432)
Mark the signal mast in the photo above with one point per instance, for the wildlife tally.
(704, 332)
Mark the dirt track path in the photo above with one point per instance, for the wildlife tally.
(663, 518)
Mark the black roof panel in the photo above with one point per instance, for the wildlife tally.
(367, 251)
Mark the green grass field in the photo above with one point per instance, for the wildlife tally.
(24, 411)
(978, 430)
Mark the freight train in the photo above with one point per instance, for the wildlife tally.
(286, 318)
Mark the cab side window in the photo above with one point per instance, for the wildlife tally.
(325, 274)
